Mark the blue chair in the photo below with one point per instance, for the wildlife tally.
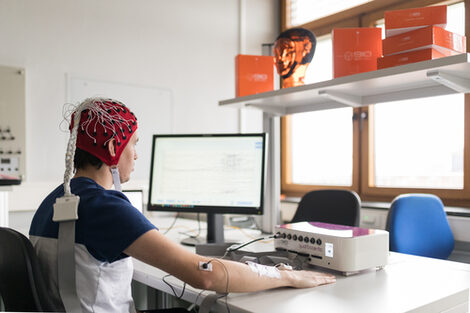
(418, 225)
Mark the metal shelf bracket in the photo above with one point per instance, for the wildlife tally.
(459, 84)
(350, 100)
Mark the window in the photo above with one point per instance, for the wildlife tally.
(322, 147)
(418, 144)
(303, 11)
(330, 129)
(321, 67)
(379, 151)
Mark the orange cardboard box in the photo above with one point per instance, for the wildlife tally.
(409, 57)
(401, 21)
(253, 74)
(355, 50)
(427, 37)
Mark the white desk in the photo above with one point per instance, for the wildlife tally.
(407, 284)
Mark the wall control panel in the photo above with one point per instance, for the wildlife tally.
(12, 123)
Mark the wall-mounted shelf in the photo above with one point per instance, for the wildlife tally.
(417, 80)
(423, 79)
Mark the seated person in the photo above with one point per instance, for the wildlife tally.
(109, 229)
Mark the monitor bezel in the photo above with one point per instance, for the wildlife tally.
(207, 208)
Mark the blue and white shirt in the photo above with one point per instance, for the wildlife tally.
(107, 224)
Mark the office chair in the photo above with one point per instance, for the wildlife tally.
(22, 285)
(418, 225)
(333, 206)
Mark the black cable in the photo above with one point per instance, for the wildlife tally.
(172, 224)
(226, 285)
(198, 295)
(226, 303)
(171, 287)
(225, 254)
(230, 249)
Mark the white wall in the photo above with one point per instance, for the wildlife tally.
(185, 46)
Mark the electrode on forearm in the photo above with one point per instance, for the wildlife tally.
(205, 266)
(284, 266)
(263, 270)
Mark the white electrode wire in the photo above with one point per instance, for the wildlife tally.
(70, 154)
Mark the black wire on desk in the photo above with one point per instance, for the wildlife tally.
(230, 249)
(226, 303)
(198, 295)
(174, 291)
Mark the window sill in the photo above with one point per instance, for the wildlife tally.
(450, 210)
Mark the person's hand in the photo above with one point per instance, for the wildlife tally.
(307, 279)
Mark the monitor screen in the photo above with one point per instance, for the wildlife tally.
(220, 173)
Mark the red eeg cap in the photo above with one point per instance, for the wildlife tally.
(102, 120)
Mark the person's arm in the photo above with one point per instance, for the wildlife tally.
(155, 249)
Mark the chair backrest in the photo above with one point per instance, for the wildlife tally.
(417, 224)
(22, 285)
(333, 206)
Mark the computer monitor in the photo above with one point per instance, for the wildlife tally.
(214, 174)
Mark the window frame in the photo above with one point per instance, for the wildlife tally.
(366, 15)
(298, 190)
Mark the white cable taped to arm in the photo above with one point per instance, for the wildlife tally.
(263, 270)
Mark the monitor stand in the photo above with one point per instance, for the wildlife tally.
(214, 244)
